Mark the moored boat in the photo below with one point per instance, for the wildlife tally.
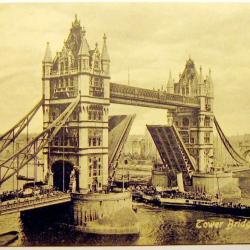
(213, 205)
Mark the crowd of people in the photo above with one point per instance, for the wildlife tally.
(151, 190)
(9, 195)
(27, 192)
(187, 195)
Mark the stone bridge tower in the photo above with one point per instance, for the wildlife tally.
(82, 144)
(195, 126)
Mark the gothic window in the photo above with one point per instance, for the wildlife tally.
(96, 87)
(95, 168)
(207, 104)
(207, 137)
(95, 112)
(72, 63)
(96, 65)
(66, 64)
(62, 66)
(71, 81)
(99, 141)
(75, 116)
(90, 115)
(95, 137)
(53, 116)
(84, 64)
(185, 122)
(207, 121)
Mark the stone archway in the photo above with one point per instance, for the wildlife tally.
(61, 174)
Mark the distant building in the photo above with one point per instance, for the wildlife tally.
(140, 147)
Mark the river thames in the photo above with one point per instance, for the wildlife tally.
(158, 227)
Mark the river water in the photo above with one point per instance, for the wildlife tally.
(158, 227)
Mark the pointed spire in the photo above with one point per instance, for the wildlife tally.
(47, 56)
(84, 48)
(210, 83)
(210, 77)
(64, 48)
(76, 23)
(201, 80)
(105, 54)
(170, 84)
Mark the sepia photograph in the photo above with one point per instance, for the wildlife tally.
(124, 124)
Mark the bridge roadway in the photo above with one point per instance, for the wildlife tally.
(24, 204)
(129, 95)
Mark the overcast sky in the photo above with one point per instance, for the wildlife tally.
(149, 39)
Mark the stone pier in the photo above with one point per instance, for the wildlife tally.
(106, 214)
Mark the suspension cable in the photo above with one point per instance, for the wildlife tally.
(233, 153)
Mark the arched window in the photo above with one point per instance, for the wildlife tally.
(185, 122)
(62, 66)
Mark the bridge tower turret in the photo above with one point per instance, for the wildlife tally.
(47, 64)
(195, 125)
(205, 124)
(105, 59)
(46, 72)
(170, 84)
(82, 145)
(83, 55)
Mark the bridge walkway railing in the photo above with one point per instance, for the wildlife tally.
(21, 204)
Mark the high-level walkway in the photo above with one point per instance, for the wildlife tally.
(125, 94)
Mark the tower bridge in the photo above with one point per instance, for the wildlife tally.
(81, 143)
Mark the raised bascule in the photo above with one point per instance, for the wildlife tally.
(81, 143)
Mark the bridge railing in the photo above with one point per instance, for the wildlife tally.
(36, 200)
